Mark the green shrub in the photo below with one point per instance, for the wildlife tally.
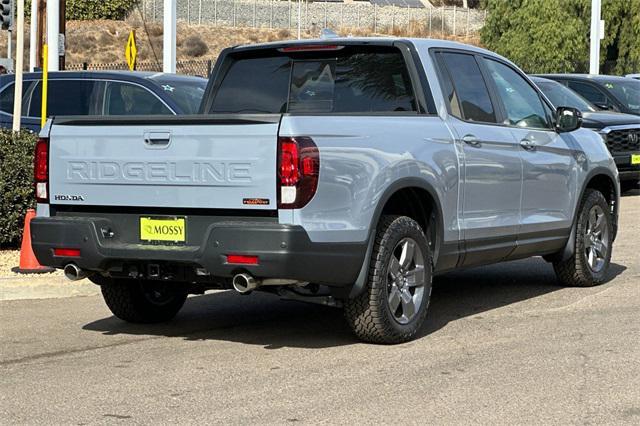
(16, 184)
(94, 9)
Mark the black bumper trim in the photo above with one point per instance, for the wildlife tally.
(284, 251)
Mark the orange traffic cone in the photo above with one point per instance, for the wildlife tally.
(28, 262)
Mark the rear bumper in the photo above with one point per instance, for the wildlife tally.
(284, 251)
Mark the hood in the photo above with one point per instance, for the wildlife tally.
(601, 119)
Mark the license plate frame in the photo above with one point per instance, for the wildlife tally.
(162, 229)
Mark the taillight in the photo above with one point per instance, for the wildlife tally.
(298, 171)
(66, 252)
(41, 170)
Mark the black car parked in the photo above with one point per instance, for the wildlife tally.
(621, 132)
(607, 92)
(101, 93)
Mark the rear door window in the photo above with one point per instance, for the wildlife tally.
(471, 100)
(129, 99)
(66, 97)
(350, 79)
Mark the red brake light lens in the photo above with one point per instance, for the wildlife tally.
(242, 259)
(41, 170)
(298, 171)
(66, 252)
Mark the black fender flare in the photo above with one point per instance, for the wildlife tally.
(400, 184)
(570, 248)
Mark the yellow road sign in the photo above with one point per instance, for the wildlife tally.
(131, 51)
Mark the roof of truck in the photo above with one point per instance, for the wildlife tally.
(422, 42)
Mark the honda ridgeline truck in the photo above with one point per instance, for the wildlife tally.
(343, 171)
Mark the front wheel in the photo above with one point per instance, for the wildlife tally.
(394, 304)
(589, 264)
(142, 301)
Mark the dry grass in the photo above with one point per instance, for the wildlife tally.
(104, 41)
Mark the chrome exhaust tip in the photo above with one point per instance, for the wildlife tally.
(244, 283)
(73, 273)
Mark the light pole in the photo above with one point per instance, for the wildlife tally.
(169, 37)
(597, 34)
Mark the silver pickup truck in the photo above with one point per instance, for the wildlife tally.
(345, 171)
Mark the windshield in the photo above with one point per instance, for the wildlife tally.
(626, 92)
(187, 93)
(560, 95)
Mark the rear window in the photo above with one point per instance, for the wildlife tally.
(353, 79)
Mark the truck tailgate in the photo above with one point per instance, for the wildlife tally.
(181, 162)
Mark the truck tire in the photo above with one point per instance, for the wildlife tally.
(589, 264)
(142, 301)
(394, 304)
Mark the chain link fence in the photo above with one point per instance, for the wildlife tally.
(200, 68)
(316, 15)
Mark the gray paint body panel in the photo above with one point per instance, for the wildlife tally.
(495, 191)
(191, 166)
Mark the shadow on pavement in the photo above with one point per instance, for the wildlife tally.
(264, 320)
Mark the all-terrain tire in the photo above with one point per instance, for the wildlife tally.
(369, 314)
(142, 301)
(575, 271)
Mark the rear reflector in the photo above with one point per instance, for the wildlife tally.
(242, 259)
(66, 252)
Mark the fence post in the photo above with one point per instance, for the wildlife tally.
(154, 10)
(271, 14)
(306, 15)
(289, 27)
(442, 22)
(188, 12)
(325, 14)
(234, 14)
(200, 13)
(209, 67)
(375, 19)
(454, 20)
(393, 20)
(430, 13)
(254, 13)
(468, 13)
(85, 66)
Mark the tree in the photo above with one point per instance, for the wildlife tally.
(553, 35)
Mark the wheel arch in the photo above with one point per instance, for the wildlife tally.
(604, 180)
(427, 212)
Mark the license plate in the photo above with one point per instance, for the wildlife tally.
(169, 229)
(635, 158)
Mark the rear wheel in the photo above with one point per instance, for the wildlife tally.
(589, 264)
(142, 301)
(394, 304)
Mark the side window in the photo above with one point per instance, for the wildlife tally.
(66, 97)
(6, 98)
(472, 97)
(591, 93)
(129, 99)
(521, 102)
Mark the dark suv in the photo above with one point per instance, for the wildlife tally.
(621, 132)
(607, 92)
(101, 93)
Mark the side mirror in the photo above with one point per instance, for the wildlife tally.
(568, 119)
(602, 105)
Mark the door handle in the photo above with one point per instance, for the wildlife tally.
(157, 139)
(471, 140)
(528, 144)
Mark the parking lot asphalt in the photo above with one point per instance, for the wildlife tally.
(502, 345)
